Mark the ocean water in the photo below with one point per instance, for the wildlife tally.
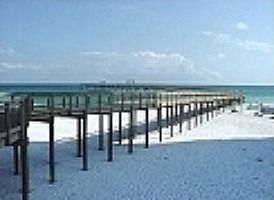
(253, 94)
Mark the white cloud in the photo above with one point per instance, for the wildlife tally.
(211, 73)
(255, 45)
(97, 53)
(148, 66)
(207, 33)
(219, 37)
(148, 63)
(6, 51)
(244, 44)
(90, 53)
(10, 66)
(165, 62)
(241, 26)
(223, 38)
(215, 57)
(5, 65)
(221, 55)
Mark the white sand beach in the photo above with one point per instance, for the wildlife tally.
(228, 158)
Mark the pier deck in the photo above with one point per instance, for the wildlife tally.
(182, 105)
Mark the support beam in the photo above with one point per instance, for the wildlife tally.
(110, 137)
(167, 111)
(147, 127)
(159, 116)
(120, 119)
(16, 159)
(85, 139)
(64, 102)
(48, 103)
(140, 100)
(207, 111)
(172, 121)
(201, 111)
(51, 144)
(189, 117)
(101, 125)
(70, 104)
(212, 110)
(217, 108)
(79, 137)
(177, 116)
(77, 102)
(134, 122)
(181, 114)
(196, 113)
(101, 132)
(130, 132)
(24, 153)
(120, 133)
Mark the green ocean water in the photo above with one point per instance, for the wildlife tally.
(253, 94)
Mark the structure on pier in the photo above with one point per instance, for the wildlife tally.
(181, 104)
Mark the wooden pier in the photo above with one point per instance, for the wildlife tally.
(182, 105)
(13, 132)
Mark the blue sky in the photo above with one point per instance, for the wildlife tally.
(188, 42)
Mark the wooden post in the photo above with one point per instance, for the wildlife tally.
(7, 121)
(8, 124)
(147, 127)
(85, 140)
(24, 152)
(134, 115)
(189, 117)
(51, 143)
(120, 119)
(101, 125)
(122, 101)
(172, 121)
(181, 108)
(196, 113)
(159, 113)
(120, 128)
(70, 104)
(167, 111)
(212, 109)
(32, 104)
(217, 108)
(77, 101)
(176, 109)
(130, 132)
(64, 102)
(110, 136)
(48, 103)
(207, 111)
(16, 159)
(140, 100)
(79, 137)
(201, 109)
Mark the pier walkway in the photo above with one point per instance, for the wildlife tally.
(181, 105)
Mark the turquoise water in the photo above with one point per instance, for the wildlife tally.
(264, 94)
(253, 94)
